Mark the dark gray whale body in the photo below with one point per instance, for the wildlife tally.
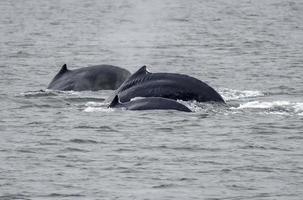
(167, 85)
(150, 103)
(99, 77)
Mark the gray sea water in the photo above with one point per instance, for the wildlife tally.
(68, 145)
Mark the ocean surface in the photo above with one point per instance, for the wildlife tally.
(69, 145)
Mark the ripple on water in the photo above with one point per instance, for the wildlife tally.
(31, 150)
(265, 147)
(15, 196)
(39, 93)
(164, 186)
(85, 127)
(183, 148)
(97, 128)
(62, 195)
(97, 100)
(73, 149)
(83, 141)
(106, 129)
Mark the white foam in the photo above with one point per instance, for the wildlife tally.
(70, 92)
(97, 109)
(94, 104)
(192, 105)
(264, 105)
(230, 94)
(277, 113)
(274, 107)
(298, 107)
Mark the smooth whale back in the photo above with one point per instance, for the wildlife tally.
(149, 103)
(106, 77)
(167, 85)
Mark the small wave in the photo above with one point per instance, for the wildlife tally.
(55, 195)
(163, 186)
(68, 96)
(183, 148)
(106, 129)
(230, 94)
(25, 151)
(274, 107)
(48, 92)
(14, 196)
(72, 149)
(83, 99)
(38, 93)
(84, 127)
(70, 92)
(83, 141)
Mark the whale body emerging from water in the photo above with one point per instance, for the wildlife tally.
(150, 103)
(99, 77)
(167, 85)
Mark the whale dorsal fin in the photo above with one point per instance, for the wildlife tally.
(141, 71)
(128, 83)
(114, 102)
(63, 69)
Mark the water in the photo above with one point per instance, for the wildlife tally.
(68, 145)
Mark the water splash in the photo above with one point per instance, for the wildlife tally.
(264, 105)
(231, 94)
(273, 107)
(95, 104)
(98, 109)
(298, 108)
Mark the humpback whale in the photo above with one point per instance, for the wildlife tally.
(98, 77)
(150, 103)
(166, 85)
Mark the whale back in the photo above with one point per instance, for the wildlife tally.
(167, 85)
(150, 103)
(156, 103)
(97, 77)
